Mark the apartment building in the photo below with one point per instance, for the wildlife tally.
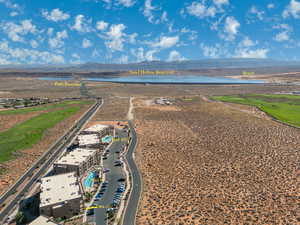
(60, 196)
(78, 160)
(99, 129)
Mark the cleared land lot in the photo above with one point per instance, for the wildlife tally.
(285, 108)
(24, 142)
(204, 163)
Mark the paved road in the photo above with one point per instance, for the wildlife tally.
(112, 177)
(44, 162)
(132, 205)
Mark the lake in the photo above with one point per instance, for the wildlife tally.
(163, 79)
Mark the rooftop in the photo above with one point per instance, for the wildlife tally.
(42, 220)
(76, 157)
(89, 139)
(96, 128)
(59, 188)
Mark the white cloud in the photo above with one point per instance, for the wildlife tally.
(57, 41)
(81, 24)
(166, 42)
(142, 55)
(28, 56)
(16, 31)
(86, 43)
(271, 6)
(216, 51)
(282, 36)
(149, 13)
(247, 42)
(13, 14)
(175, 56)
(10, 4)
(200, 10)
(247, 53)
(292, 9)
(115, 37)
(258, 13)
(220, 3)
(34, 43)
(55, 15)
(231, 28)
(126, 3)
(101, 25)
(132, 38)
(50, 31)
(148, 8)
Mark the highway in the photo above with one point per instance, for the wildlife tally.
(41, 165)
(136, 181)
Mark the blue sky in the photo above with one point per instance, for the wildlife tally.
(121, 31)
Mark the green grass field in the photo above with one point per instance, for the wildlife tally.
(42, 108)
(285, 108)
(26, 134)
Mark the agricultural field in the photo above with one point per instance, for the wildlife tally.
(30, 132)
(285, 108)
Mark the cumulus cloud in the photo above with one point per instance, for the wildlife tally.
(149, 13)
(215, 51)
(55, 15)
(231, 28)
(81, 24)
(29, 56)
(247, 53)
(284, 34)
(166, 42)
(175, 56)
(142, 55)
(220, 3)
(86, 43)
(10, 4)
(247, 42)
(258, 13)
(293, 9)
(16, 31)
(126, 3)
(57, 41)
(34, 43)
(115, 37)
(200, 10)
(101, 25)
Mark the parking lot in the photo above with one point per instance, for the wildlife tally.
(111, 190)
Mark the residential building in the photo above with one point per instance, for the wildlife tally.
(60, 196)
(78, 160)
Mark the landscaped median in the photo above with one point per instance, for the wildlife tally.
(285, 108)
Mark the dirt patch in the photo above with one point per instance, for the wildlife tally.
(8, 121)
(235, 169)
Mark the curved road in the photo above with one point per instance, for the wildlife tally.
(134, 197)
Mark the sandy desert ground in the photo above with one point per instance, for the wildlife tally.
(203, 163)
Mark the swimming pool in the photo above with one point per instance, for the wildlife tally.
(88, 182)
(106, 139)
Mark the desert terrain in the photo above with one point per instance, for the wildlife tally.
(203, 163)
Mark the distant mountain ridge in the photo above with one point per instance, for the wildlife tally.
(156, 65)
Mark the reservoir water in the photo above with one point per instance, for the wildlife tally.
(163, 79)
